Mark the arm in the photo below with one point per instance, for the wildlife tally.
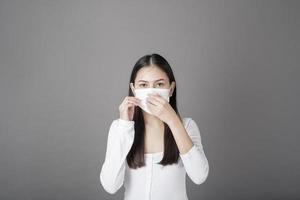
(191, 150)
(119, 142)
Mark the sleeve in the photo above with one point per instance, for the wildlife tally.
(119, 142)
(195, 161)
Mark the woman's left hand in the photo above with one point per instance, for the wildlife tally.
(160, 108)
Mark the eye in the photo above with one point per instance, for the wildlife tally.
(142, 85)
(160, 84)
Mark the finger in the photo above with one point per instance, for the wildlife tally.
(134, 99)
(131, 105)
(151, 107)
(132, 102)
(157, 98)
(152, 101)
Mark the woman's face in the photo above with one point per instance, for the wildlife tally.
(152, 77)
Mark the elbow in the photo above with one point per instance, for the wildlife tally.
(202, 175)
(107, 184)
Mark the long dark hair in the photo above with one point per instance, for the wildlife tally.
(135, 157)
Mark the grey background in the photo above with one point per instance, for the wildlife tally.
(64, 70)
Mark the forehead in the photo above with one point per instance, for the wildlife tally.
(151, 74)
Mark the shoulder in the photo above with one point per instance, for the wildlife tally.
(192, 129)
(191, 125)
(188, 122)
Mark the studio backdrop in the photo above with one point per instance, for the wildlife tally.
(64, 70)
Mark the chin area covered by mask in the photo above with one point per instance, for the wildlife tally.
(143, 92)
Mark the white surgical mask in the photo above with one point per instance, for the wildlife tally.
(142, 93)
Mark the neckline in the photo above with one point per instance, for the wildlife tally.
(155, 153)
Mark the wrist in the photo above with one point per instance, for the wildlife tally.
(124, 117)
(173, 120)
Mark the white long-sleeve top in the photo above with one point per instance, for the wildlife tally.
(152, 181)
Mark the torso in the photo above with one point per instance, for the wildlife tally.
(154, 140)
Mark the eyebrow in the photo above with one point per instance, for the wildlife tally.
(154, 81)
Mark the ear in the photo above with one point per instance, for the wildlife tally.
(172, 87)
(132, 88)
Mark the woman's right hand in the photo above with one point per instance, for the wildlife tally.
(126, 108)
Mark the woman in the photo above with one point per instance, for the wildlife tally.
(150, 148)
